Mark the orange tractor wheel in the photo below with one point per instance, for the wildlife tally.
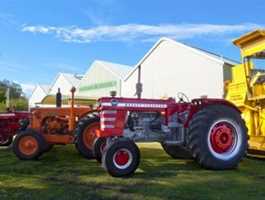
(86, 134)
(28, 145)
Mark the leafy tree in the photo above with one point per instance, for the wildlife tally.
(17, 97)
(2, 95)
(15, 88)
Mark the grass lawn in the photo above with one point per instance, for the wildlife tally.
(63, 174)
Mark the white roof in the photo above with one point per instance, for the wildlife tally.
(74, 79)
(117, 69)
(45, 88)
(210, 55)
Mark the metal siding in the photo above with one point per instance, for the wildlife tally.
(96, 76)
(171, 68)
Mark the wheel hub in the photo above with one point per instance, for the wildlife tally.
(222, 137)
(28, 145)
(122, 158)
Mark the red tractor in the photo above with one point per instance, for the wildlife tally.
(210, 130)
(10, 124)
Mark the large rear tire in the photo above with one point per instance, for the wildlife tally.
(86, 134)
(121, 157)
(28, 145)
(217, 137)
(176, 152)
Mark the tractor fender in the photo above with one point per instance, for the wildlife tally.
(91, 113)
(199, 104)
(205, 102)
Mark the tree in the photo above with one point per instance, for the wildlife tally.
(2, 94)
(15, 88)
(17, 98)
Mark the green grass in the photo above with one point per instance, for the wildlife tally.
(63, 174)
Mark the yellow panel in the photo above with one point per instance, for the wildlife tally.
(262, 123)
(246, 114)
(237, 89)
(257, 143)
(251, 43)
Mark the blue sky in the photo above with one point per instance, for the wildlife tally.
(39, 38)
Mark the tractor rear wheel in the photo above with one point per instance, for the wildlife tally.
(86, 134)
(28, 145)
(121, 157)
(176, 152)
(98, 148)
(5, 141)
(217, 137)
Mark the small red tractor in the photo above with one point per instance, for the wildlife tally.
(209, 130)
(10, 124)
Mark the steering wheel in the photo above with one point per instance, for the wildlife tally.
(183, 97)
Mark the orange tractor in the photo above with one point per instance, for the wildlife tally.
(52, 126)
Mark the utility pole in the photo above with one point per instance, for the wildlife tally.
(139, 85)
(7, 97)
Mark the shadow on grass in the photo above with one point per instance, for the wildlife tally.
(63, 174)
(154, 162)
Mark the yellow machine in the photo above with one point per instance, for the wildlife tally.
(247, 88)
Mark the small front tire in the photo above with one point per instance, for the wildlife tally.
(28, 145)
(121, 157)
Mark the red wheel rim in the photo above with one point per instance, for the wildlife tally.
(122, 158)
(222, 137)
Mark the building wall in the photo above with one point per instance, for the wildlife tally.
(36, 97)
(172, 68)
(98, 82)
(64, 85)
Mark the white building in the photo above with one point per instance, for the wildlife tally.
(101, 78)
(65, 82)
(171, 67)
(39, 92)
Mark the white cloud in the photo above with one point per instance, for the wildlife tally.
(140, 32)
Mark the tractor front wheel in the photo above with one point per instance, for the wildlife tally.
(28, 145)
(121, 157)
(217, 137)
